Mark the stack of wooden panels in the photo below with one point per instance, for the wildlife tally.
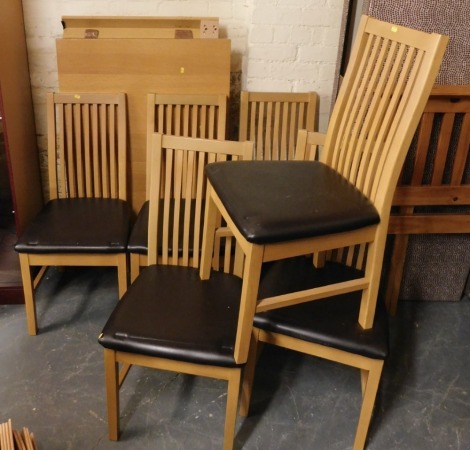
(15, 440)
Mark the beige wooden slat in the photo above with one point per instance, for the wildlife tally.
(177, 198)
(113, 153)
(87, 152)
(69, 154)
(169, 155)
(96, 151)
(104, 146)
(260, 142)
(78, 148)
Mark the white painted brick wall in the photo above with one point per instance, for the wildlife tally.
(280, 45)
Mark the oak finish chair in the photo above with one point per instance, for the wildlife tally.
(199, 116)
(169, 319)
(87, 219)
(272, 119)
(336, 209)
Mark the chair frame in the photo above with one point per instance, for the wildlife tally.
(118, 363)
(67, 184)
(370, 369)
(394, 140)
(386, 165)
(199, 115)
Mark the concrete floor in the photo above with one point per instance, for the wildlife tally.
(53, 384)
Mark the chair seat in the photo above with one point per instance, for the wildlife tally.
(331, 322)
(276, 201)
(138, 239)
(169, 312)
(78, 225)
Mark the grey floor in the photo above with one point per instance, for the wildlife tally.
(53, 384)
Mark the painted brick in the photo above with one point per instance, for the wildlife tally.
(286, 46)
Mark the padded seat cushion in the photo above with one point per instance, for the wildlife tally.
(332, 322)
(169, 312)
(78, 225)
(275, 201)
(138, 240)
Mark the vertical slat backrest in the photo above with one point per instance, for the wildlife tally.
(87, 143)
(198, 116)
(272, 119)
(440, 155)
(178, 191)
(388, 80)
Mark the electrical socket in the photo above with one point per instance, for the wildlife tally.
(209, 29)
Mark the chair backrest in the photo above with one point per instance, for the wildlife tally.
(199, 116)
(381, 99)
(178, 191)
(271, 120)
(87, 145)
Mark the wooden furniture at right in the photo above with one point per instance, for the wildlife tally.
(86, 222)
(433, 193)
(287, 210)
(272, 119)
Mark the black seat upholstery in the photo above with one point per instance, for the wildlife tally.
(78, 225)
(330, 322)
(278, 201)
(169, 312)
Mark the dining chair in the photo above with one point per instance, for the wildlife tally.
(169, 319)
(272, 119)
(337, 208)
(86, 222)
(199, 116)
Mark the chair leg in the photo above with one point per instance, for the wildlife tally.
(233, 392)
(397, 265)
(112, 393)
(28, 289)
(249, 374)
(135, 266)
(122, 274)
(370, 388)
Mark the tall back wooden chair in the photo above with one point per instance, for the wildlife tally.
(169, 319)
(87, 220)
(272, 119)
(282, 212)
(198, 116)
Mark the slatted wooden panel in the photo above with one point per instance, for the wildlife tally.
(272, 119)
(87, 145)
(373, 128)
(200, 116)
(178, 178)
(433, 194)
